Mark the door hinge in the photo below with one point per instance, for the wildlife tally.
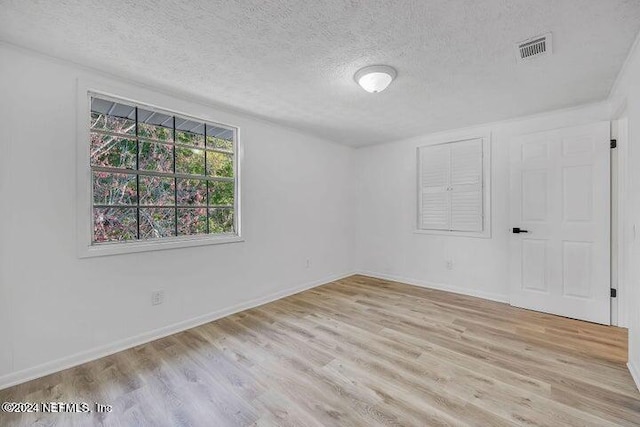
(614, 293)
(614, 143)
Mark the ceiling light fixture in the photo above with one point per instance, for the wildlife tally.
(375, 78)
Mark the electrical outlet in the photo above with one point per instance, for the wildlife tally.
(157, 297)
(307, 264)
(449, 265)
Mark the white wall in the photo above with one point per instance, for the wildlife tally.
(386, 245)
(625, 103)
(5, 335)
(57, 310)
(298, 202)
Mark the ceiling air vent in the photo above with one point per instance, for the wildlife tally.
(533, 47)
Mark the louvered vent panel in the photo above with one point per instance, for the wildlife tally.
(466, 211)
(435, 211)
(451, 186)
(534, 47)
(466, 162)
(435, 166)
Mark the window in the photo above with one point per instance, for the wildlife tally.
(159, 176)
(453, 180)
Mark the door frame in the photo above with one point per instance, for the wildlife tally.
(619, 226)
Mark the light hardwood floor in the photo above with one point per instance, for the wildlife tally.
(358, 352)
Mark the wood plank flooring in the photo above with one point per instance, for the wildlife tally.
(357, 352)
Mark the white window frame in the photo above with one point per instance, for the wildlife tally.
(486, 185)
(142, 97)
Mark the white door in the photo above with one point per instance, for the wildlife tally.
(559, 197)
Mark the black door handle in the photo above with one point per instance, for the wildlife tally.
(517, 230)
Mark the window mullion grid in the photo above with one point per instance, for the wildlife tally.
(107, 206)
(159, 141)
(205, 174)
(175, 180)
(161, 174)
(137, 177)
(139, 142)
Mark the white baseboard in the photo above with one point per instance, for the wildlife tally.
(439, 286)
(635, 373)
(61, 364)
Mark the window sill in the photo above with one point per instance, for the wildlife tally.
(118, 248)
(473, 234)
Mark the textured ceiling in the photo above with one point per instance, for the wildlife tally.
(293, 61)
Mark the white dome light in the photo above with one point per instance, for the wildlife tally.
(375, 78)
